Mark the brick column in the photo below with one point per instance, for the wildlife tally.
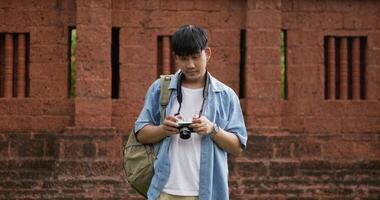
(92, 144)
(93, 105)
(263, 77)
(356, 87)
(21, 66)
(8, 76)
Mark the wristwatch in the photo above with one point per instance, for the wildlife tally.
(215, 130)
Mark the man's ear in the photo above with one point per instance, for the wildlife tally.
(208, 53)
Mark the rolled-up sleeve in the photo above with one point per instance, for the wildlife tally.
(236, 123)
(150, 114)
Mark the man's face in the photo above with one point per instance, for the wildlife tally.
(194, 66)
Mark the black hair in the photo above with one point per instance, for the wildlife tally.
(189, 40)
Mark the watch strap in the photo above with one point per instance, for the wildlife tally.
(215, 129)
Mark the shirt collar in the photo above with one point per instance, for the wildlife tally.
(214, 83)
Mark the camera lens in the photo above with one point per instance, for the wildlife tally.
(184, 133)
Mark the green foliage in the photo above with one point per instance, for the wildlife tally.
(283, 66)
(73, 62)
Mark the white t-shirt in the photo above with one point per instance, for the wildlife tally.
(184, 154)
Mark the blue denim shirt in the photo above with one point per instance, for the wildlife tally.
(223, 108)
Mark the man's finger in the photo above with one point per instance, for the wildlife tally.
(171, 118)
(197, 120)
(172, 130)
(195, 125)
(198, 128)
(170, 123)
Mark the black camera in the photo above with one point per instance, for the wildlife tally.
(185, 130)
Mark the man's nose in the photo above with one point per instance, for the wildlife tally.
(190, 63)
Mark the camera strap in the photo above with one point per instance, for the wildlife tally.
(179, 91)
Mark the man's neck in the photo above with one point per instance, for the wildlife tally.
(193, 84)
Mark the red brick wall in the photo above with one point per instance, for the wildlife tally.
(48, 108)
(305, 147)
(141, 24)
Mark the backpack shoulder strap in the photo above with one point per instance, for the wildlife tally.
(164, 101)
(164, 94)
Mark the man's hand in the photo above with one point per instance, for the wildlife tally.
(170, 125)
(226, 140)
(202, 125)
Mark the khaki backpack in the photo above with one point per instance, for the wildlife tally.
(138, 159)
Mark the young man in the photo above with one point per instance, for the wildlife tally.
(192, 166)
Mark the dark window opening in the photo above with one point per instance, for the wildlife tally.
(115, 49)
(165, 58)
(2, 63)
(15, 64)
(159, 56)
(242, 71)
(27, 61)
(363, 50)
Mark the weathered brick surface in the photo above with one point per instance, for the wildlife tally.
(83, 165)
(305, 147)
(83, 168)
